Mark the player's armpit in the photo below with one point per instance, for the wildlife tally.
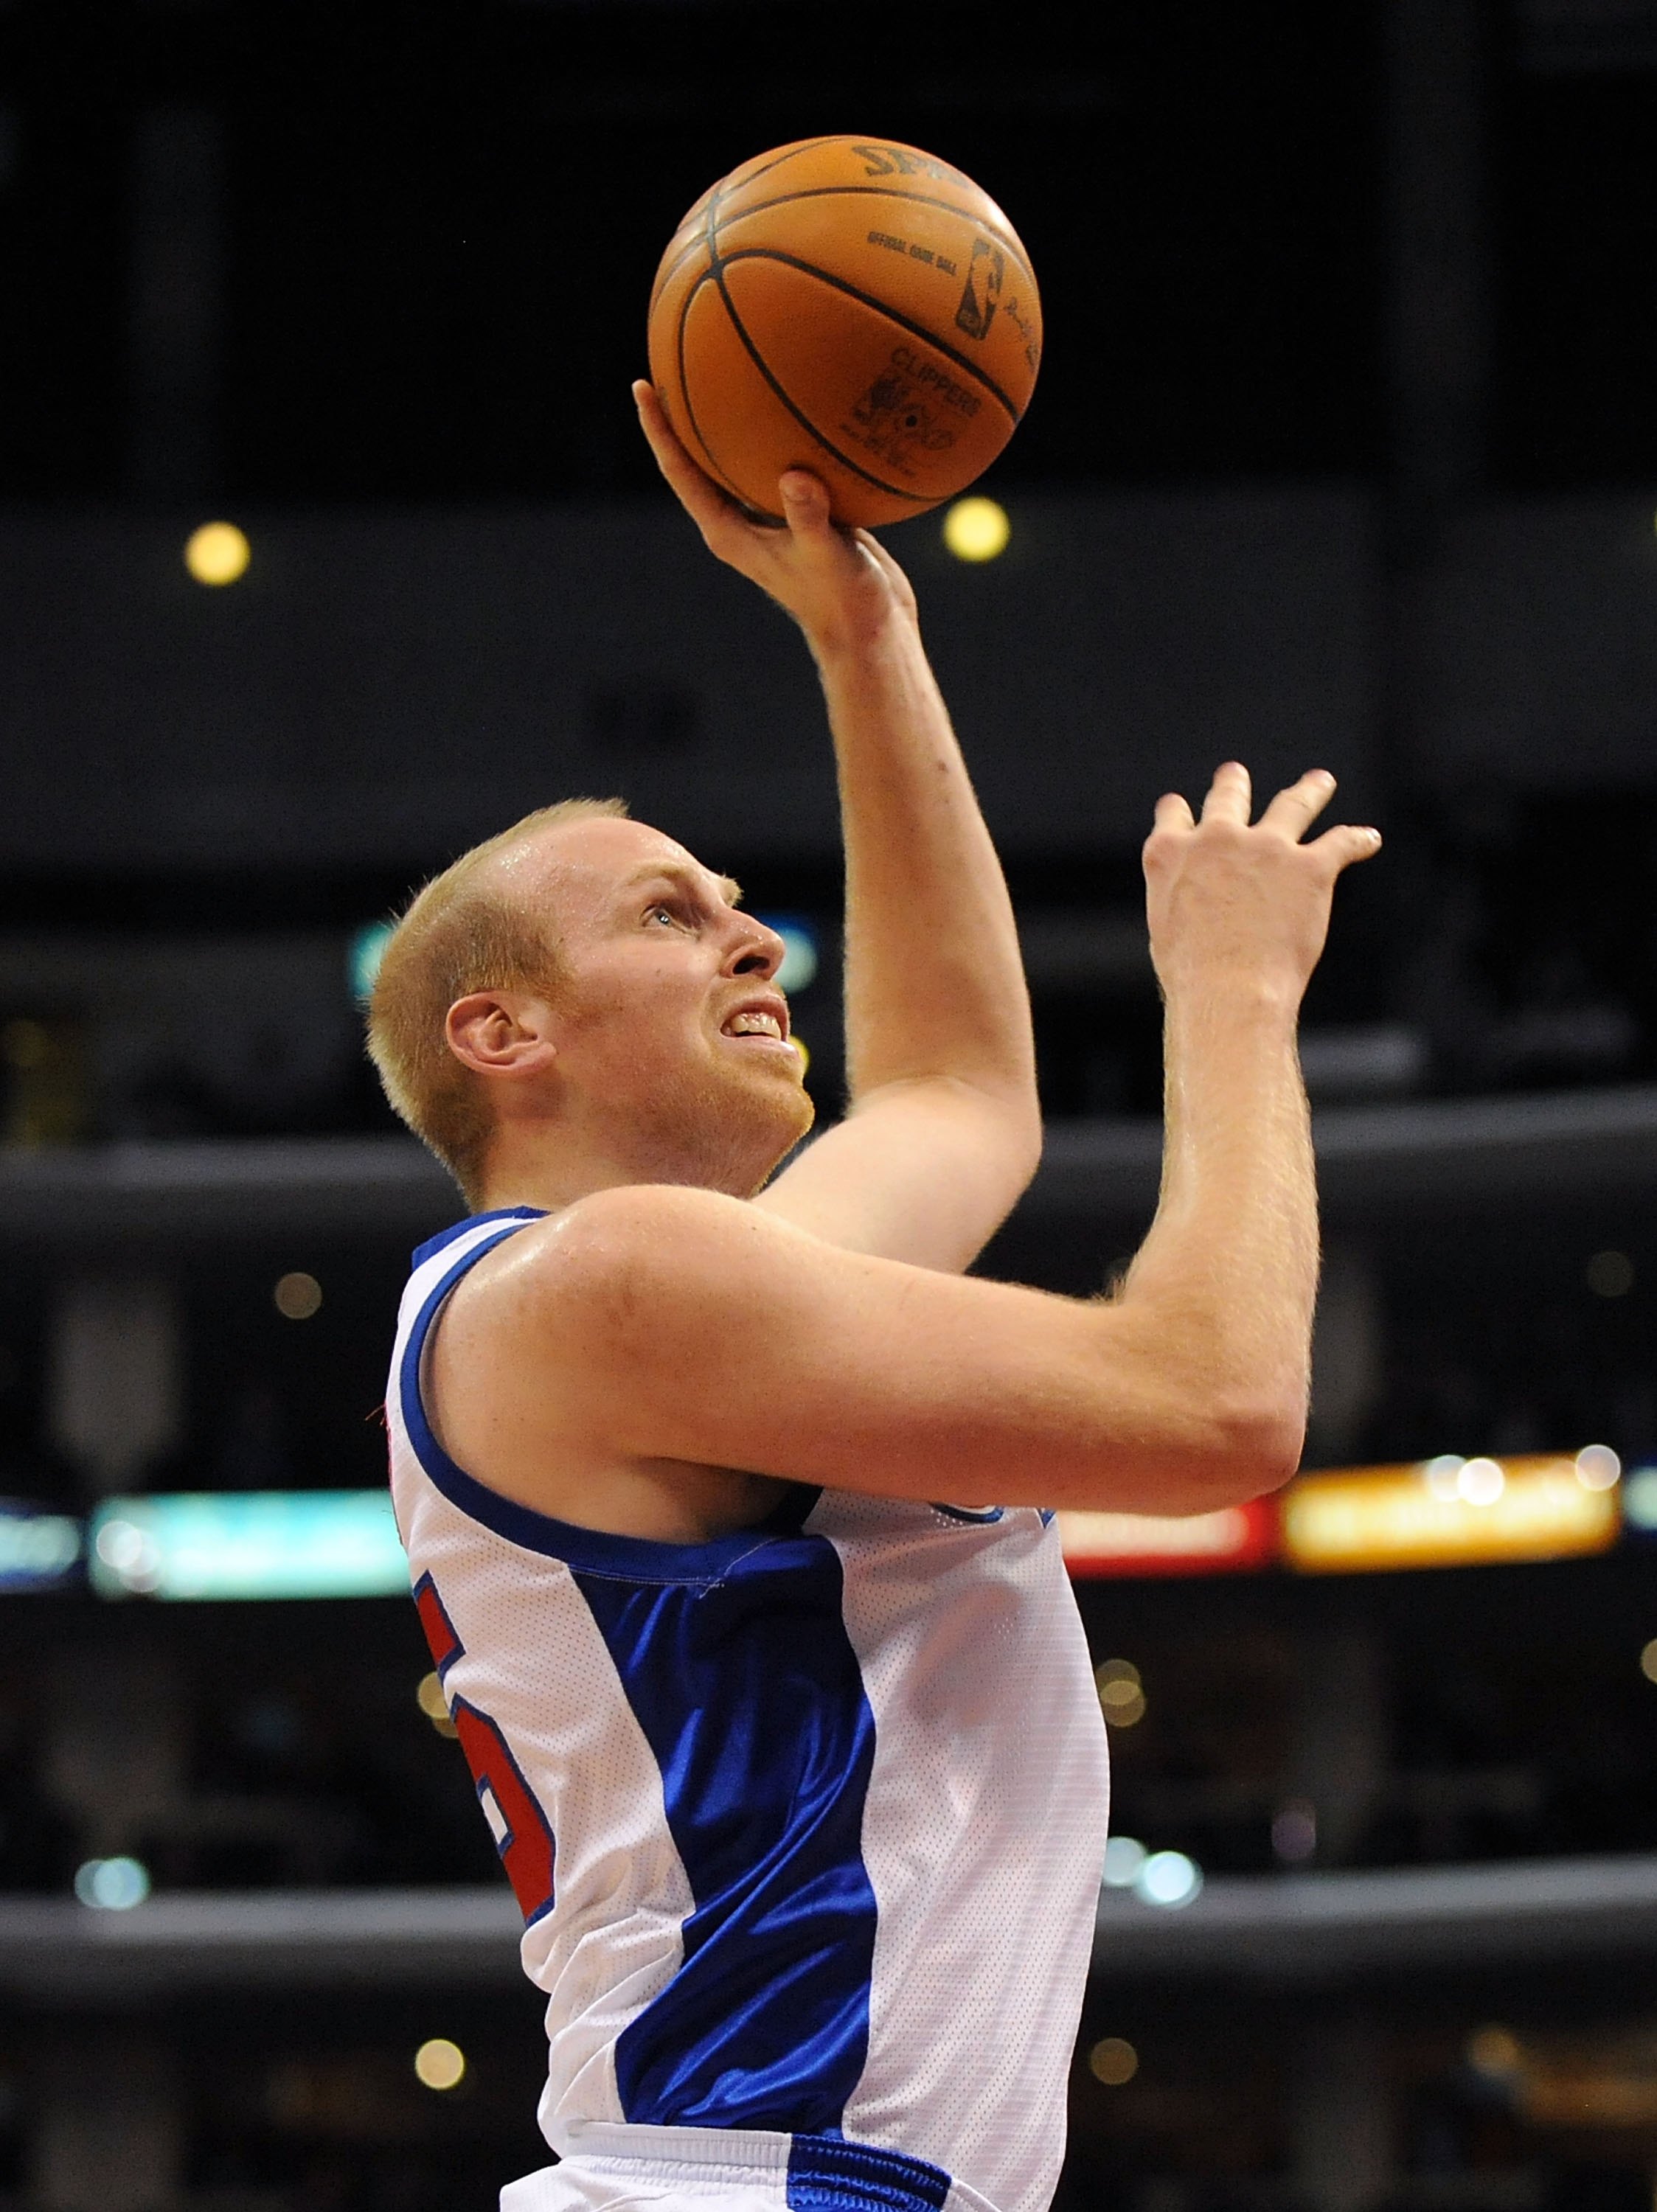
(675, 1324)
(924, 1172)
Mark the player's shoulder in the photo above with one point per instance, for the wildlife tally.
(613, 1248)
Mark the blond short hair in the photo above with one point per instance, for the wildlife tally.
(460, 933)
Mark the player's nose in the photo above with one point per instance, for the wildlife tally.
(755, 949)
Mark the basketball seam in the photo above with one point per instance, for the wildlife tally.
(670, 269)
(805, 146)
(685, 391)
(700, 208)
(887, 192)
(839, 284)
(715, 270)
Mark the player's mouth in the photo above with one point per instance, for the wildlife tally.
(765, 1019)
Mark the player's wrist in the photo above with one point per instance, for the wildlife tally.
(1210, 996)
(862, 639)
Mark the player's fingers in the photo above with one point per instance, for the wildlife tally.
(1298, 806)
(698, 494)
(871, 550)
(1343, 846)
(805, 504)
(1230, 794)
(1173, 813)
(877, 553)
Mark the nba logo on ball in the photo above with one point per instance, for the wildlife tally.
(851, 306)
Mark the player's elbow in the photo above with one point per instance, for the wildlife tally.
(1255, 1445)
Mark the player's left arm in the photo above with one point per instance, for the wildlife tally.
(944, 1130)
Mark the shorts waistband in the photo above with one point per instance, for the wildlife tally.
(817, 2173)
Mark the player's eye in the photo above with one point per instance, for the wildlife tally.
(661, 912)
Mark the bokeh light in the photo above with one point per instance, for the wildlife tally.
(297, 1296)
(1598, 1467)
(1480, 1481)
(112, 1885)
(1124, 1862)
(1494, 2051)
(1121, 1693)
(1169, 1879)
(1441, 1476)
(217, 553)
(1295, 1832)
(434, 1706)
(976, 529)
(440, 2063)
(1113, 2061)
(1610, 1274)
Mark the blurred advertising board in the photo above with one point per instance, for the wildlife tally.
(255, 1544)
(38, 1551)
(1450, 1512)
(1234, 1540)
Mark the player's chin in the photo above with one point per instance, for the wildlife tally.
(773, 1084)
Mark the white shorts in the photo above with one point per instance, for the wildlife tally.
(638, 2169)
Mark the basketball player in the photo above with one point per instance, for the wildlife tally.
(726, 1496)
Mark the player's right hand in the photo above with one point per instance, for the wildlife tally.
(1243, 907)
(841, 585)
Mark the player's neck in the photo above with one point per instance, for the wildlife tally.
(549, 1168)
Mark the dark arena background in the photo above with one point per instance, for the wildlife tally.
(1344, 451)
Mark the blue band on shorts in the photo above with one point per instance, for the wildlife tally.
(827, 2173)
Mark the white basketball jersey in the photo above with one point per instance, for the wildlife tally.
(806, 1823)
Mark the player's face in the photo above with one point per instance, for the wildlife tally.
(669, 1022)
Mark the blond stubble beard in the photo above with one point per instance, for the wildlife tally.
(725, 1135)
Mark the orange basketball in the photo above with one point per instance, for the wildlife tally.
(850, 307)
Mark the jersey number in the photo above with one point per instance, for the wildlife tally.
(523, 1834)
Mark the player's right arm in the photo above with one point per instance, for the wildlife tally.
(652, 1328)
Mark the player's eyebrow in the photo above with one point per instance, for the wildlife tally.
(675, 872)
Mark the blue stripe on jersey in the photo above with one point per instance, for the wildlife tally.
(827, 2176)
(734, 1658)
(749, 1693)
(435, 1245)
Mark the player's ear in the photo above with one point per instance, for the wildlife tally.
(501, 1032)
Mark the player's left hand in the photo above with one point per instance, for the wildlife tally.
(841, 585)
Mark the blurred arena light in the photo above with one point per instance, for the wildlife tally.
(976, 529)
(1648, 1660)
(112, 1885)
(1371, 1519)
(297, 1296)
(439, 2063)
(217, 553)
(800, 956)
(363, 953)
(1295, 1832)
(1170, 1879)
(1480, 1481)
(1598, 1467)
(1494, 2051)
(434, 1706)
(1639, 1500)
(1124, 1862)
(37, 1550)
(1610, 1274)
(1121, 1693)
(1113, 2061)
(254, 1544)
(1234, 1538)
(1442, 1475)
